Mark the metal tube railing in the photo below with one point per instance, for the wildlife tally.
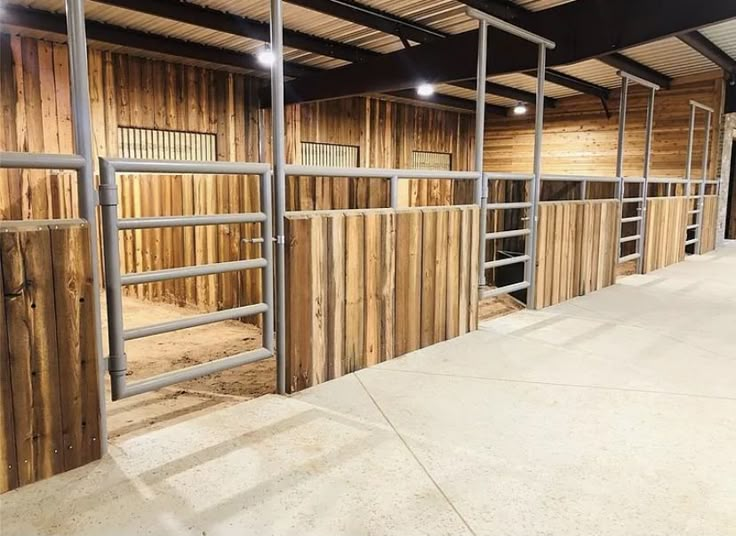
(71, 162)
(117, 335)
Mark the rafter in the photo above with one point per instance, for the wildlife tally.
(619, 61)
(575, 83)
(233, 24)
(701, 44)
(449, 100)
(508, 92)
(503, 9)
(577, 28)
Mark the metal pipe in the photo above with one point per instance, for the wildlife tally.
(633, 199)
(267, 331)
(505, 206)
(191, 373)
(702, 106)
(630, 238)
(631, 219)
(186, 221)
(638, 80)
(704, 178)
(692, 241)
(376, 173)
(506, 262)
(506, 290)
(178, 167)
(191, 271)
(578, 178)
(12, 159)
(623, 106)
(481, 185)
(495, 175)
(278, 130)
(642, 224)
(508, 234)
(81, 123)
(509, 28)
(394, 191)
(117, 362)
(628, 258)
(535, 185)
(194, 321)
(689, 157)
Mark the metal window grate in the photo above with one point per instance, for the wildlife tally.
(149, 143)
(329, 154)
(431, 160)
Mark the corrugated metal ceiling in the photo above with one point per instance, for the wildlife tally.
(669, 56)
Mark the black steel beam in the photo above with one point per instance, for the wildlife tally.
(709, 50)
(369, 17)
(621, 62)
(448, 100)
(108, 33)
(574, 83)
(583, 29)
(233, 24)
(508, 92)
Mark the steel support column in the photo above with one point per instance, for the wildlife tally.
(481, 186)
(279, 186)
(81, 122)
(642, 223)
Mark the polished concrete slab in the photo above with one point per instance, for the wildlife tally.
(611, 414)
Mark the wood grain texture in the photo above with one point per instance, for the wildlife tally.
(665, 232)
(358, 293)
(576, 249)
(710, 224)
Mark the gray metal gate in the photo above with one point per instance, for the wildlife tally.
(112, 225)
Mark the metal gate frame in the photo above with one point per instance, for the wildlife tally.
(703, 182)
(530, 254)
(641, 220)
(112, 225)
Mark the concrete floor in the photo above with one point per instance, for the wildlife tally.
(611, 414)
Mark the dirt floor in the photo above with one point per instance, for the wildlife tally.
(497, 306)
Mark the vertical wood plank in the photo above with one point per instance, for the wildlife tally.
(335, 295)
(454, 237)
(354, 292)
(428, 279)
(8, 458)
(409, 255)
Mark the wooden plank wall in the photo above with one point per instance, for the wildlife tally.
(49, 402)
(579, 139)
(576, 249)
(386, 134)
(365, 286)
(666, 229)
(710, 224)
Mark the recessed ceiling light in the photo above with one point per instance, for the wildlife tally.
(266, 57)
(520, 109)
(425, 90)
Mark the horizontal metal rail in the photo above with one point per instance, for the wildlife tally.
(631, 257)
(191, 271)
(496, 176)
(507, 234)
(185, 221)
(377, 173)
(507, 206)
(506, 262)
(638, 80)
(489, 293)
(633, 180)
(631, 219)
(665, 180)
(12, 160)
(631, 238)
(194, 321)
(192, 373)
(509, 28)
(632, 200)
(693, 226)
(176, 167)
(701, 106)
(578, 178)
(691, 241)
(696, 211)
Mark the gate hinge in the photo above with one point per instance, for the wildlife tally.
(108, 195)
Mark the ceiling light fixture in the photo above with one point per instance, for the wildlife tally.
(266, 57)
(520, 109)
(425, 90)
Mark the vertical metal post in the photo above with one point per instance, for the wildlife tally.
(623, 105)
(267, 254)
(689, 158)
(534, 187)
(81, 122)
(704, 177)
(642, 223)
(279, 185)
(583, 190)
(481, 185)
(108, 200)
(394, 191)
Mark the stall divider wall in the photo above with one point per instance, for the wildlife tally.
(666, 231)
(49, 401)
(365, 286)
(577, 244)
